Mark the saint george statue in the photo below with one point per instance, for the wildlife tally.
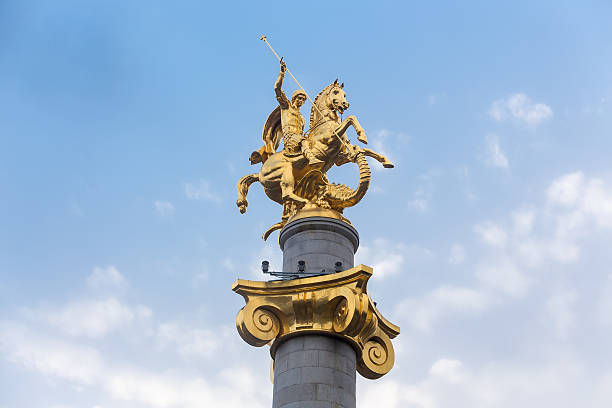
(295, 177)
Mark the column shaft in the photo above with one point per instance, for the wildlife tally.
(314, 371)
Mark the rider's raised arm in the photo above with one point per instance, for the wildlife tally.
(282, 99)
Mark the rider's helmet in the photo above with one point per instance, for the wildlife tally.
(296, 93)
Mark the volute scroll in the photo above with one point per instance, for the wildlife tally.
(335, 304)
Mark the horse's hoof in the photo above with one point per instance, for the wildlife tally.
(388, 165)
(242, 205)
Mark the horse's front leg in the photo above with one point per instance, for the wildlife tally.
(361, 135)
(343, 127)
(378, 157)
(352, 121)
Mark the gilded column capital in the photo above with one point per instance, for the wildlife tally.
(336, 304)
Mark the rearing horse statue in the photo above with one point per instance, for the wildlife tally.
(294, 182)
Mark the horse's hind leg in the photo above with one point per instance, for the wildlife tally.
(378, 157)
(243, 189)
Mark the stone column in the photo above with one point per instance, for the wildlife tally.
(321, 328)
(320, 242)
(314, 371)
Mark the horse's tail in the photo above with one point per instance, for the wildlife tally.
(243, 189)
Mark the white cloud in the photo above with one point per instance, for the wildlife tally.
(603, 394)
(48, 356)
(176, 390)
(575, 205)
(85, 366)
(530, 251)
(188, 341)
(579, 202)
(520, 107)
(383, 257)
(418, 204)
(597, 203)
(388, 258)
(491, 234)
(424, 192)
(565, 190)
(449, 383)
(91, 318)
(228, 264)
(457, 254)
(520, 254)
(381, 144)
(495, 156)
(201, 191)
(424, 312)
(605, 303)
(394, 394)
(504, 276)
(523, 221)
(563, 251)
(450, 370)
(164, 208)
(560, 308)
(106, 277)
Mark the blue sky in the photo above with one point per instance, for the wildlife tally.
(124, 127)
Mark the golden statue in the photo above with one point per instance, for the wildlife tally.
(296, 176)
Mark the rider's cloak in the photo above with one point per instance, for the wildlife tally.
(272, 135)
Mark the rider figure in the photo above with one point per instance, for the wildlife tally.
(292, 121)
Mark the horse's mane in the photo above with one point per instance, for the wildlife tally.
(313, 110)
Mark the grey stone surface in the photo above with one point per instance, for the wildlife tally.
(314, 371)
(320, 242)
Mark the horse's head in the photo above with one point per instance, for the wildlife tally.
(332, 98)
(336, 97)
